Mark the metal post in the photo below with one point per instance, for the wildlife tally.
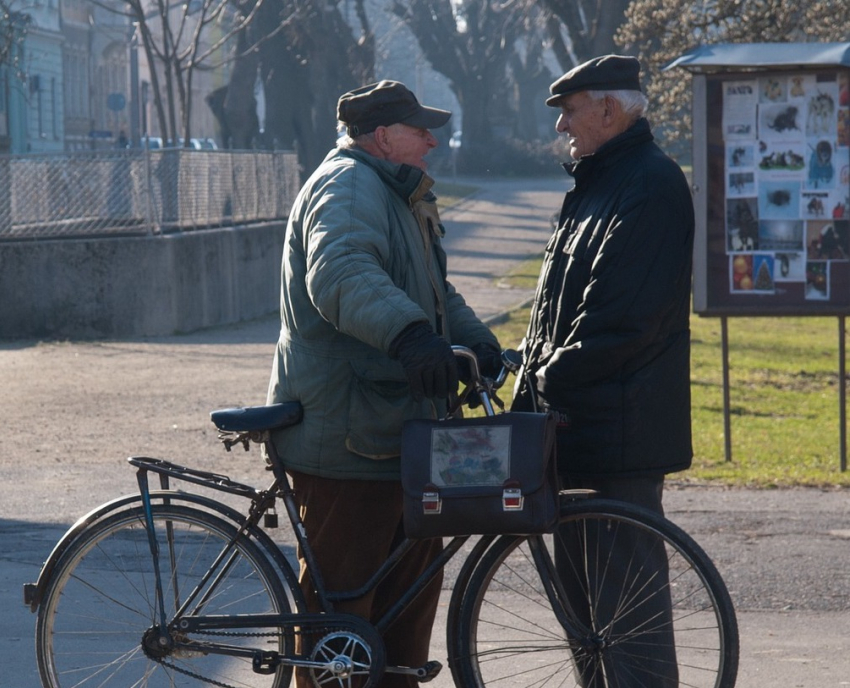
(842, 396)
(727, 425)
(135, 134)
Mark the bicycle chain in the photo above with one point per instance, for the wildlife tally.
(324, 629)
(192, 674)
(213, 682)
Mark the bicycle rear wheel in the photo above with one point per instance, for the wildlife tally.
(622, 617)
(97, 623)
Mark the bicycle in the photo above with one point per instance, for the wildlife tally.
(168, 587)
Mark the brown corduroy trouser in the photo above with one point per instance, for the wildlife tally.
(352, 526)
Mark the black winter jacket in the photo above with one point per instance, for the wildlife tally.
(608, 344)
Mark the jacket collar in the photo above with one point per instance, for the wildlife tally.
(611, 151)
(409, 182)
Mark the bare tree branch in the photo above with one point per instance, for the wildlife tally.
(659, 31)
(179, 38)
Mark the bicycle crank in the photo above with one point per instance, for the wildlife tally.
(427, 672)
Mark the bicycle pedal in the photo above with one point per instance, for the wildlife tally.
(265, 662)
(429, 671)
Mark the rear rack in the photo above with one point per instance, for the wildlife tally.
(214, 481)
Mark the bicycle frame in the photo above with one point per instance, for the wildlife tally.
(188, 619)
(281, 488)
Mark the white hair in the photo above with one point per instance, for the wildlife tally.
(634, 103)
(346, 141)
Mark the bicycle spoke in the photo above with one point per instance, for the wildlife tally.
(636, 603)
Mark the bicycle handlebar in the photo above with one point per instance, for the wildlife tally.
(484, 387)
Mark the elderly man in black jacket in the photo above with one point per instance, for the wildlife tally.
(607, 347)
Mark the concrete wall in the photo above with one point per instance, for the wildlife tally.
(138, 286)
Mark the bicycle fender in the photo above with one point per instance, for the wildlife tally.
(33, 592)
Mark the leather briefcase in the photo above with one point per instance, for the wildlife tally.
(487, 476)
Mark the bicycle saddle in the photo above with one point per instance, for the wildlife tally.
(251, 418)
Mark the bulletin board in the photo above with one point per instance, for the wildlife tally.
(771, 183)
(775, 236)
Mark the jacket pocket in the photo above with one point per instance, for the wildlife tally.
(590, 429)
(376, 413)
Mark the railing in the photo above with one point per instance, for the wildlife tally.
(141, 192)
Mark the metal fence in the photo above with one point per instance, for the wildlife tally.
(141, 192)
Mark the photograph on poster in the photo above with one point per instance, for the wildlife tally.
(821, 109)
(752, 273)
(780, 122)
(799, 85)
(742, 231)
(817, 280)
(741, 272)
(815, 204)
(844, 127)
(790, 267)
(828, 240)
(779, 200)
(739, 109)
(782, 158)
(741, 184)
(820, 173)
(763, 273)
(780, 235)
(740, 155)
(773, 89)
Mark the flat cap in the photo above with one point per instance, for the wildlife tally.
(384, 103)
(605, 73)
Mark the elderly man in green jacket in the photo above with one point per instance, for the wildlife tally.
(367, 322)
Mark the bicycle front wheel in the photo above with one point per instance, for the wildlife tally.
(99, 623)
(617, 597)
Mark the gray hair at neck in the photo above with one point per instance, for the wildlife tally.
(346, 141)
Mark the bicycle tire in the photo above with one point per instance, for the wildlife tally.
(508, 629)
(101, 602)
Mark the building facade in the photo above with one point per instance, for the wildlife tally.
(31, 120)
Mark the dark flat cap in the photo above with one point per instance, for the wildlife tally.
(384, 103)
(605, 73)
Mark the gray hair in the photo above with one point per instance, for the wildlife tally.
(634, 103)
(346, 141)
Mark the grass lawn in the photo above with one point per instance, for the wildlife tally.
(451, 193)
(783, 400)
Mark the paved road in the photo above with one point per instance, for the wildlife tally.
(73, 411)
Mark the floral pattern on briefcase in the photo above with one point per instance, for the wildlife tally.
(475, 455)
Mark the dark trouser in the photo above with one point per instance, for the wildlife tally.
(597, 586)
(352, 526)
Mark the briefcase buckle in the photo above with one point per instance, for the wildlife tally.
(431, 503)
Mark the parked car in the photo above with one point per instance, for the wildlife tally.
(194, 144)
(156, 143)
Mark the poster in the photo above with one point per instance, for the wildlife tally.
(786, 143)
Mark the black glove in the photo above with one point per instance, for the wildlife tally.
(489, 359)
(489, 362)
(427, 360)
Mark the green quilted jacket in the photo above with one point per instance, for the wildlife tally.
(357, 268)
